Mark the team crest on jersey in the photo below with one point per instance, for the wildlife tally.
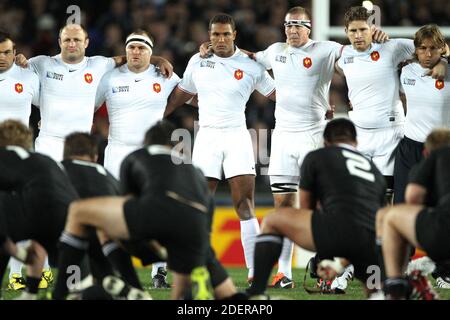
(120, 89)
(375, 56)
(18, 87)
(348, 60)
(409, 82)
(88, 78)
(307, 62)
(207, 64)
(157, 87)
(281, 59)
(439, 84)
(239, 74)
(55, 76)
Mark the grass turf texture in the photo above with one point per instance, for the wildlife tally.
(239, 276)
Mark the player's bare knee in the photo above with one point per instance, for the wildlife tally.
(244, 209)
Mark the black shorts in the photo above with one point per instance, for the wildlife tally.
(181, 229)
(43, 221)
(336, 235)
(433, 232)
(408, 154)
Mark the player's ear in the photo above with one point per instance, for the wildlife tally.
(234, 35)
(86, 43)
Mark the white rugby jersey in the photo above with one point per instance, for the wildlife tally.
(302, 79)
(68, 92)
(428, 102)
(135, 102)
(19, 88)
(224, 86)
(373, 84)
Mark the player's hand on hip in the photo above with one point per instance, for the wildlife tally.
(205, 50)
(440, 71)
(21, 61)
(379, 35)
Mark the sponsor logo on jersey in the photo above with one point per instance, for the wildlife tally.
(207, 64)
(157, 87)
(409, 82)
(18, 87)
(307, 62)
(375, 56)
(120, 89)
(348, 60)
(239, 74)
(281, 59)
(439, 84)
(55, 76)
(88, 78)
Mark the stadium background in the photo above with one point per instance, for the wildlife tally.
(179, 27)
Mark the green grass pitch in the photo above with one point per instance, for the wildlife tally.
(239, 276)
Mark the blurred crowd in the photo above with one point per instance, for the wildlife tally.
(180, 26)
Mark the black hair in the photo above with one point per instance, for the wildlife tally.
(160, 133)
(340, 130)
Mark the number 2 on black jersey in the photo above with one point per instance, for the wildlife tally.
(358, 166)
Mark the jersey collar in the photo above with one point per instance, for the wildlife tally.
(237, 52)
(346, 146)
(300, 49)
(5, 74)
(72, 66)
(158, 149)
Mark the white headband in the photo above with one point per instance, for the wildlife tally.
(139, 39)
(303, 23)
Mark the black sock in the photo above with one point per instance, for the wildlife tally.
(71, 251)
(33, 285)
(396, 288)
(379, 252)
(121, 261)
(4, 259)
(267, 251)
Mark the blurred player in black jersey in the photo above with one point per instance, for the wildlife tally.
(93, 180)
(423, 222)
(350, 190)
(36, 194)
(162, 192)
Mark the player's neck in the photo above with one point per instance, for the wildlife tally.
(77, 61)
(138, 69)
(6, 70)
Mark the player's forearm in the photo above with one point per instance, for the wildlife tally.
(177, 98)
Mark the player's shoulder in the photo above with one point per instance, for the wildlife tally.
(326, 45)
(277, 47)
(98, 60)
(248, 63)
(195, 59)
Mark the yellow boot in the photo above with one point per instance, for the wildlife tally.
(16, 282)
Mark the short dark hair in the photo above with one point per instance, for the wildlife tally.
(80, 144)
(160, 133)
(299, 10)
(438, 138)
(356, 14)
(340, 130)
(4, 35)
(222, 18)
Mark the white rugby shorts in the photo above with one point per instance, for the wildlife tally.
(230, 150)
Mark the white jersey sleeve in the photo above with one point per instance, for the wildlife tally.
(403, 48)
(265, 84)
(263, 57)
(37, 64)
(187, 84)
(100, 96)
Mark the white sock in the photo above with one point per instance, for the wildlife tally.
(157, 265)
(15, 266)
(249, 231)
(285, 260)
(46, 265)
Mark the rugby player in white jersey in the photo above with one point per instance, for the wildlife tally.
(223, 84)
(69, 82)
(19, 89)
(370, 70)
(303, 69)
(136, 97)
(427, 102)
